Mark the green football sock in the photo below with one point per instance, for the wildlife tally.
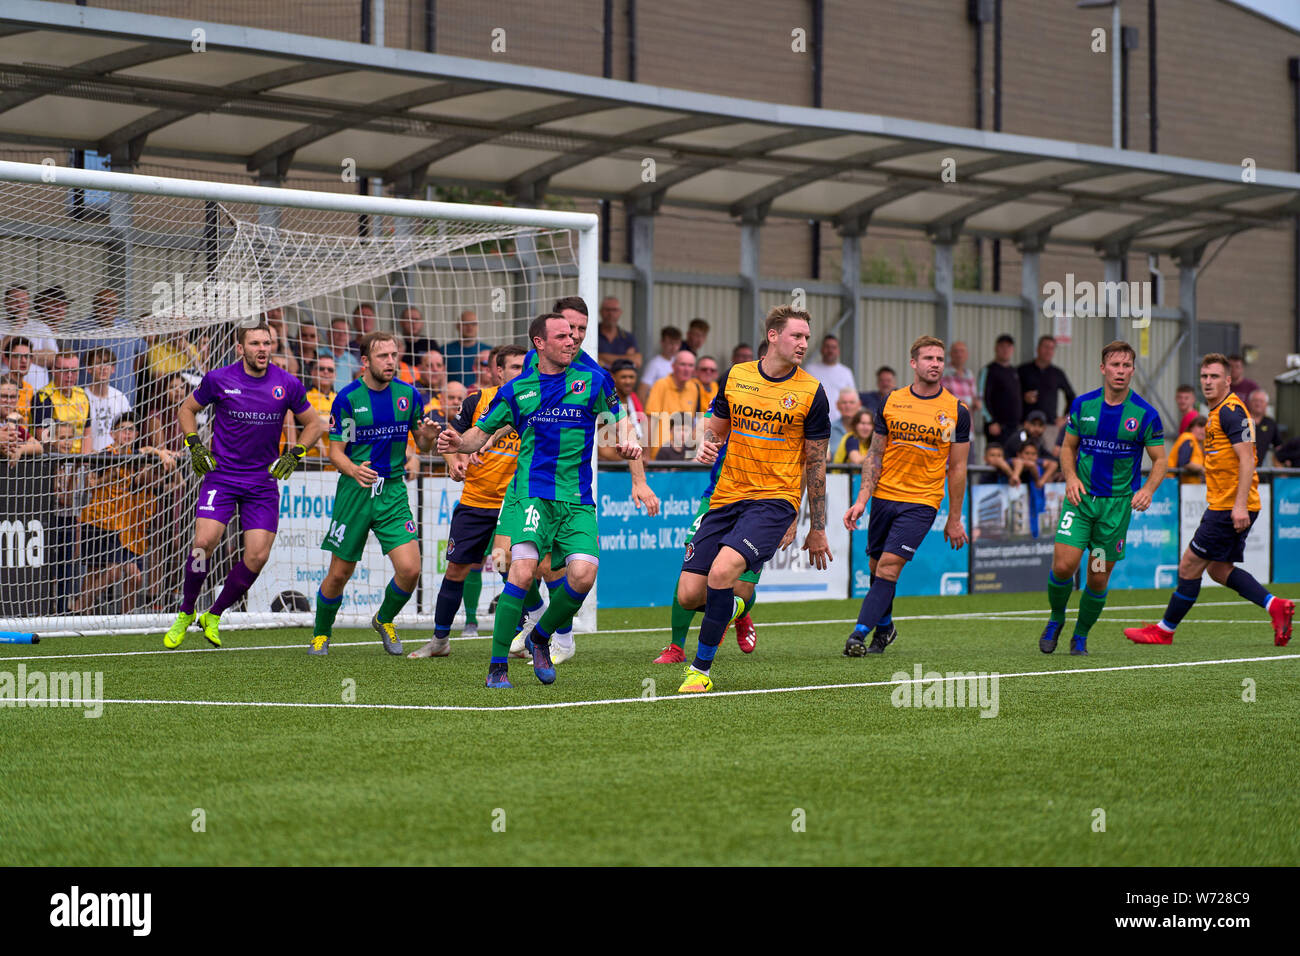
(533, 599)
(681, 621)
(1058, 595)
(510, 606)
(327, 609)
(394, 600)
(1090, 606)
(564, 605)
(749, 605)
(473, 588)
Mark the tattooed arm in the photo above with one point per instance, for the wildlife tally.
(814, 479)
(870, 476)
(713, 435)
(818, 548)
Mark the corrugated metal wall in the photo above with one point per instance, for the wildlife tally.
(678, 303)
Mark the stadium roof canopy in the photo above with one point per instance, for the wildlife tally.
(127, 83)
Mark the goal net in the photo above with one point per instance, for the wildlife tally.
(120, 292)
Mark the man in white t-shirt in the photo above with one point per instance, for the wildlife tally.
(834, 376)
(106, 402)
(661, 366)
(17, 309)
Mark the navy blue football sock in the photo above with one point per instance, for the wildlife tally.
(875, 605)
(1244, 583)
(1180, 602)
(719, 605)
(444, 609)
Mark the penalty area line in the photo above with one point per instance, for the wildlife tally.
(561, 705)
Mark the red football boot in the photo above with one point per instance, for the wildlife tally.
(1151, 634)
(1281, 611)
(672, 655)
(747, 634)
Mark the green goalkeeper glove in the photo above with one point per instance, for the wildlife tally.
(200, 458)
(283, 466)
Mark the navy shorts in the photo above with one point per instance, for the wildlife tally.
(101, 548)
(754, 528)
(471, 533)
(1217, 540)
(898, 527)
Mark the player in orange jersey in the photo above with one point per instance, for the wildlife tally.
(1231, 507)
(775, 420)
(923, 436)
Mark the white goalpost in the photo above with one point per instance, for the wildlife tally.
(121, 291)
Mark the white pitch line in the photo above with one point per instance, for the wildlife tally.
(639, 700)
(1031, 614)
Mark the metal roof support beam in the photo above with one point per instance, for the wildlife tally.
(403, 102)
(854, 331)
(641, 250)
(273, 177)
(120, 253)
(1031, 288)
(400, 294)
(943, 272)
(1113, 255)
(119, 257)
(1189, 261)
(750, 317)
(530, 270)
(943, 239)
(266, 81)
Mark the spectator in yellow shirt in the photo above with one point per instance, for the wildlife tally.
(706, 373)
(63, 400)
(673, 405)
(1188, 453)
(321, 396)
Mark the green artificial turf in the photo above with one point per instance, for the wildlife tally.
(1185, 770)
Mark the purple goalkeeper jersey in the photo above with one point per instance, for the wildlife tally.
(249, 415)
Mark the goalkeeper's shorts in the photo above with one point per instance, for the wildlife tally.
(256, 495)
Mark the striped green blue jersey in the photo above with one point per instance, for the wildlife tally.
(375, 424)
(556, 418)
(1111, 440)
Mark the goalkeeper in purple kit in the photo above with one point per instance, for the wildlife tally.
(250, 398)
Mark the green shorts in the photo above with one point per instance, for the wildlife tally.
(558, 527)
(750, 576)
(357, 511)
(1096, 523)
(503, 519)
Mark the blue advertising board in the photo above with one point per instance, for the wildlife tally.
(1151, 546)
(640, 556)
(1286, 529)
(936, 568)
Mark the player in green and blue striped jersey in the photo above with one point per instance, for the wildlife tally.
(369, 422)
(1101, 458)
(573, 308)
(555, 408)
